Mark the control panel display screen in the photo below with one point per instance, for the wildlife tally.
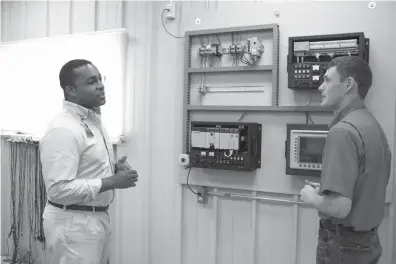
(304, 148)
(311, 149)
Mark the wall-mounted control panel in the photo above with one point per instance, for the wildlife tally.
(308, 56)
(304, 147)
(225, 145)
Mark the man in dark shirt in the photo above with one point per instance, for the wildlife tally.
(350, 198)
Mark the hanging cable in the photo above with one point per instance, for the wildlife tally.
(41, 196)
(25, 169)
(188, 185)
(163, 25)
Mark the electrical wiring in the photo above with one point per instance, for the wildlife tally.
(218, 39)
(245, 60)
(220, 62)
(41, 196)
(163, 24)
(206, 59)
(188, 185)
(17, 195)
(308, 117)
(27, 192)
(13, 231)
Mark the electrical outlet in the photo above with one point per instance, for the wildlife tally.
(171, 14)
(202, 195)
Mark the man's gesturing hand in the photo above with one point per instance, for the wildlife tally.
(122, 165)
(125, 179)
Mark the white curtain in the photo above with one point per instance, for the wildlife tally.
(30, 94)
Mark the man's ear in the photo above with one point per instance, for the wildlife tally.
(350, 84)
(70, 91)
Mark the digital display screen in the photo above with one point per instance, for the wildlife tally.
(311, 149)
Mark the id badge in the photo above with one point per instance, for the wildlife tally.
(87, 130)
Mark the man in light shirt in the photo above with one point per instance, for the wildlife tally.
(79, 171)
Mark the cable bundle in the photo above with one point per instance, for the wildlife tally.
(26, 169)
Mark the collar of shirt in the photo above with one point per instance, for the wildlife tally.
(354, 105)
(90, 114)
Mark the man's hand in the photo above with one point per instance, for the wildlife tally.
(125, 179)
(314, 184)
(309, 194)
(122, 165)
(121, 180)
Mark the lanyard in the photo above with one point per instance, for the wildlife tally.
(89, 133)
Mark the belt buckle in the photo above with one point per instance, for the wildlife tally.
(93, 209)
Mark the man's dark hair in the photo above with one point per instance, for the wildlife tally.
(66, 74)
(355, 67)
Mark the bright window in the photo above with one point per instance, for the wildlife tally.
(30, 93)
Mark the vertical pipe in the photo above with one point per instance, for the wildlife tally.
(148, 50)
(24, 13)
(216, 232)
(392, 205)
(254, 228)
(123, 13)
(275, 65)
(116, 220)
(48, 21)
(182, 221)
(96, 18)
(71, 17)
(296, 227)
(1, 35)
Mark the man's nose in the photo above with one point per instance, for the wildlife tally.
(100, 86)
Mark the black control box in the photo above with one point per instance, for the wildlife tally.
(308, 56)
(225, 145)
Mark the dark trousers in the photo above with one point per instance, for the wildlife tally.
(338, 245)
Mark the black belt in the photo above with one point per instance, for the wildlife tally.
(81, 207)
(326, 224)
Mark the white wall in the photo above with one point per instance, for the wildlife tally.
(227, 229)
(160, 221)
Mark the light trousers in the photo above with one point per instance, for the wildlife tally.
(76, 237)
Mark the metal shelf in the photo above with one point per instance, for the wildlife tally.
(271, 27)
(232, 69)
(230, 108)
(271, 69)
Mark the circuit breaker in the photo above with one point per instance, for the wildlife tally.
(309, 55)
(253, 48)
(225, 145)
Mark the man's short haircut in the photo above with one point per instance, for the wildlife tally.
(355, 67)
(67, 75)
